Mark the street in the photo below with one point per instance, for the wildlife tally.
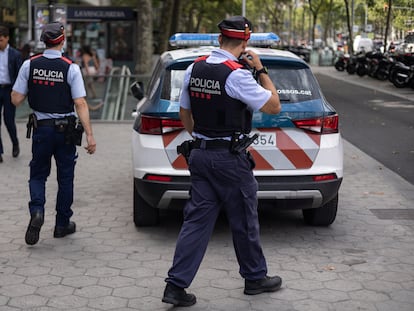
(380, 124)
(364, 261)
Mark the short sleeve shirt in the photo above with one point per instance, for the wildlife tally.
(240, 84)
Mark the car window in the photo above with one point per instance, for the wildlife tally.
(409, 38)
(294, 84)
(155, 80)
(173, 81)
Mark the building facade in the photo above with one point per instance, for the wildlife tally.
(104, 28)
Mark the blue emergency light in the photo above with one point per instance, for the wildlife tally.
(258, 39)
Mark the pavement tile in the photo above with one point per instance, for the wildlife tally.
(361, 262)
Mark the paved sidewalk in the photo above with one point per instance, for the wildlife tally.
(361, 262)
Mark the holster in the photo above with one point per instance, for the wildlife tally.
(185, 149)
(239, 145)
(31, 124)
(73, 131)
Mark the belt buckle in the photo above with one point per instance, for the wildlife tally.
(60, 125)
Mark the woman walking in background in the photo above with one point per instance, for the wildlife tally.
(90, 67)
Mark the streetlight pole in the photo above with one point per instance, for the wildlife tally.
(51, 9)
(29, 21)
(244, 8)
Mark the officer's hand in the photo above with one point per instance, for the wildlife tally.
(91, 147)
(252, 59)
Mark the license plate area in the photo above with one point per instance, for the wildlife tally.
(265, 140)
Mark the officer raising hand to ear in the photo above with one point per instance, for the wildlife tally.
(219, 117)
(55, 90)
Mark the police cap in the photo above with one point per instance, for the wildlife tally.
(52, 33)
(236, 27)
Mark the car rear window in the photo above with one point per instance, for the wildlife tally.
(173, 82)
(293, 83)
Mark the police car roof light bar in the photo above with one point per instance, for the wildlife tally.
(258, 39)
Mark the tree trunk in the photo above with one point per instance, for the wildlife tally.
(350, 39)
(165, 25)
(387, 25)
(144, 37)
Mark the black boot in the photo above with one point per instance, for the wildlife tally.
(267, 284)
(33, 230)
(61, 232)
(16, 150)
(178, 296)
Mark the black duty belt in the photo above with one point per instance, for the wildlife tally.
(211, 144)
(3, 86)
(50, 122)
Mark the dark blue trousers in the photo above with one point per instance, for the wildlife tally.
(219, 179)
(48, 142)
(9, 115)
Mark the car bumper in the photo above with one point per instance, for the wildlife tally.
(291, 192)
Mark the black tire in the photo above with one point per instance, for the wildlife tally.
(144, 214)
(361, 71)
(322, 216)
(350, 68)
(381, 75)
(399, 82)
(340, 66)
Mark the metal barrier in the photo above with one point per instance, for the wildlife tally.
(111, 100)
(115, 97)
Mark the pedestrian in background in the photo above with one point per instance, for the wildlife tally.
(55, 89)
(219, 117)
(10, 62)
(90, 68)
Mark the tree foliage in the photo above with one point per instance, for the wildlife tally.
(293, 20)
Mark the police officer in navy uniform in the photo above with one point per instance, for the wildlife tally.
(55, 89)
(216, 106)
(10, 62)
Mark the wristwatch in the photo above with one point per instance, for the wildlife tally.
(259, 72)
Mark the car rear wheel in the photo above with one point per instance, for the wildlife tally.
(322, 216)
(144, 214)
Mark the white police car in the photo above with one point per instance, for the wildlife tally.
(298, 154)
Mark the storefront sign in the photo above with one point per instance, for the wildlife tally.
(9, 16)
(100, 13)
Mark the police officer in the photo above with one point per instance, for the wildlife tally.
(216, 106)
(55, 89)
(10, 62)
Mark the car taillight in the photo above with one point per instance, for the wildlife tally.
(161, 178)
(324, 177)
(157, 126)
(323, 125)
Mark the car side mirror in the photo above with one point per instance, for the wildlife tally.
(137, 90)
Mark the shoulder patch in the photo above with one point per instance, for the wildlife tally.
(36, 56)
(233, 65)
(201, 58)
(67, 60)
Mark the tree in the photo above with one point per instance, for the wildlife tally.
(348, 21)
(144, 37)
(387, 26)
(314, 7)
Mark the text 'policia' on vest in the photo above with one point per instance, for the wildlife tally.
(207, 91)
(49, 90)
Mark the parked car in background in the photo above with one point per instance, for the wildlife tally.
(409, 42)
(363, 44)
(298, 153)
